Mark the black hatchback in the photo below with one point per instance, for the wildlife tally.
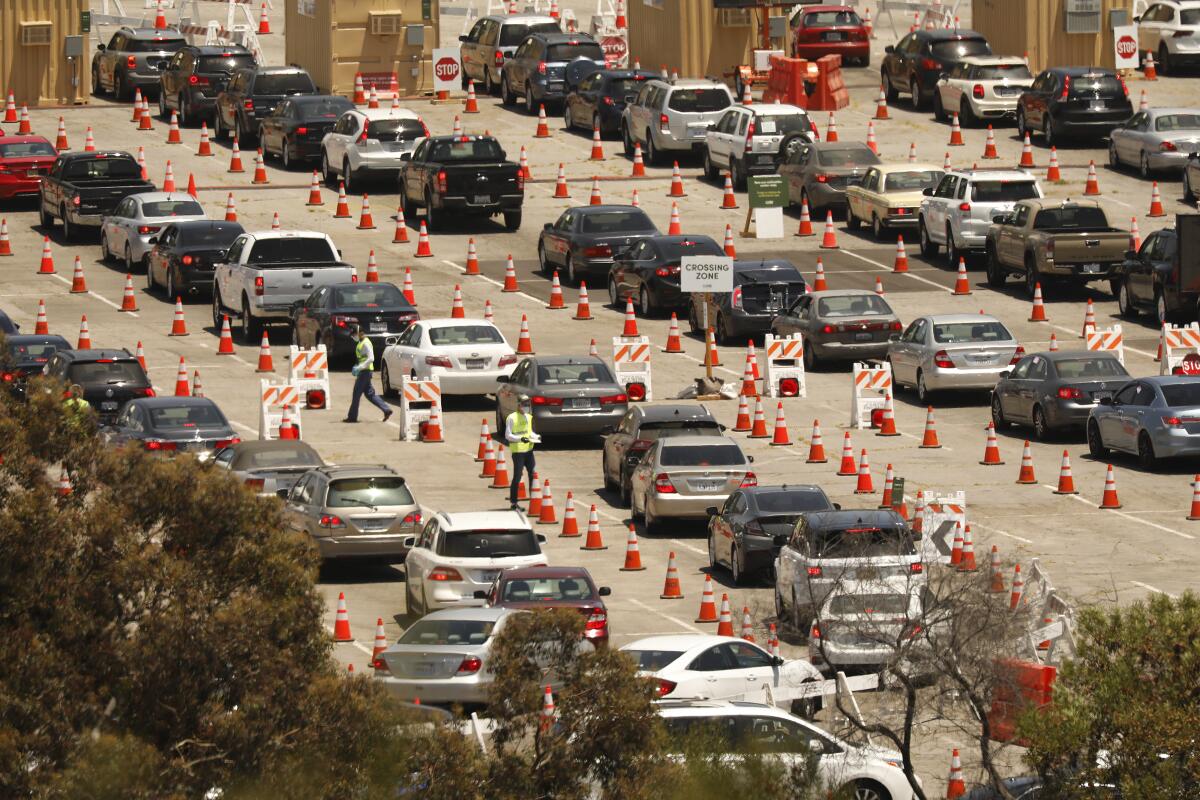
(1073, 102)
(600, 98)
(917, 61)
(762, 289)
(109, 378)
(649, 271)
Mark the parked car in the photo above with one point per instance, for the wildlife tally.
(24, 161)
(839, 325)
(369, 142)
(459, 553)
(1073, 102)
(353, 511)
(1155, 140)
(940, 352)
(823, 30)
(546, 66)
(195, 76)
(649, 271)
(600, 99)
(585, 240)
(671, 117)
(82, 188)
(492, 40)
(467, 356)
(889, 197)
(328, 315)
(27, 355)
(171, 425)
(1162, 277)
(1168, 29)
(1153, 418)
(641, 427)
(127, 231)
(681, 477)
(252, 94)
(761, 290)
(981, 89)
(109, 378)
(1191, 177)
(958, 212)
(570, 395)
(296, 128)
(752, 140)
(528, 588)
(183, 256)
(866, 624)
(819, 174)
(133, 59)
(268, 466)
(1055, 391)
(916, 63)
(461, 176)
(747, 531)
(1051, 243)
(7, 325)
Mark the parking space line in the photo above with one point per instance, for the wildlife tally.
(1154, 589)
(686, 626)
(493, 281)
(885, 268)
(1120, 513)
(983, 527)
(689, 547)
(101, 298)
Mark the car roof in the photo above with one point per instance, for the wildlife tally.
(483, 520)
(97, 354)
(678, 641)
(943, 319)
(94, 155)
(152, 33)
(992, 61)
(521, 19)
(196, 224)
(659, 412)
(585, 210)
(1080, 71)
(841, 293)
(564, 38)
(761, 109)
(1067, 355)
(993, 174)
(357, 470)
(763, 263)
(438, 322)
(263, 69)
(171, 401)
(216, 50)
(529, 573)
(291, 234)
(626, 73)
(1158, 112)
(374, 114)
(560, 360)
(154, 197)
(271, 445)
(684, 441)
(32, 338)
(916, 166)
(943, 35)
(474, 613)
(782, 487)
(1168, 380)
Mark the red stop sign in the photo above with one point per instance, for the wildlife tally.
(1126, 47)
(1190, 365)
(446, 69)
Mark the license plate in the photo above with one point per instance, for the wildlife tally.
(1092, 268)
(580, 402)
(33, 173)
(475, 363)
(1096, 105)
(1101, 395)
(863, 337)
(108, 406)
(867, 573)
(490, 575)
(835, 36)
(423, 668)
(708, 486)
(483, 199)
(378, 327)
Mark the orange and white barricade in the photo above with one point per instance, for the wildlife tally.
(1107, 340)
(1054, 619)
(308, 371)
(273, 397)
(784, 375)
(416, 406)
(942, 516)
(1178, 341)
(867, 393)
(631, 363)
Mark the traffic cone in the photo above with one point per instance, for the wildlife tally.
(523, 163)
(197, 387)
(488, 316)
(871, 143)
(42, 325)
(169, 178)
(597, 147)
(1156, 206)
(912, 152)
(1089, 319)
(260, 168)
(535, 497)
(178, 324)
(472, 104)
(10, 108)
(889, 479)
(235, 159)
(955, 787)
(956, 548)
(989, 146)
(488, 469)
(360, 94)
(140, 354)
(173, 136)
(432, 432)
(342, 209)
(730, 250)
(946, 162)
(485, 436)
(1026, 475)
(5, 243)
(1194, 514)
(595, 199)
(1143, 103)
(408, 291)
(128, 298)
(633, 557)
(930, 440)
(997, 582)
(1026, 161)
(747, 96)
(366, 222)
(991, 452)
(145, 123)
(265, 362)
(1066, 482)
(84, 342)
(1039, 308)
(24, 127)
(137, 106)
(423, 248)
(593, 541)
(181, 380)
(806, 228)
(879, 286)
(918, 522)
(865, 484)
(742, 424)
(728, 200)
(708, 606)
(205, 148)
(847, 468)
(524, 342)
(547, 718)
(1092, 187)
(47, 264)
(901, 264)
(780, 437)
(560, 184)
(816, 447)
(1018, 589)
(639, 165)
(381, 642)
(191, 187)
(1109, 499)
(829, 240)
(675, 227)
(956, 137)
(752, 359)
(631, 328)
(570, 526)
(456, 306)
(674, 341)
(373, 98)
(583, 309)
(500, 478)
(543, 128)
(60, 141)
(400, 235)
(1054, 343)
(758, 430)
(1149, 71)
(962, 286)
(676, 182)
(881, 106)
(78, 284)
(225, 342)
(1135, 237)
(341, 625)
(819, 284)
(710, 348)
(888, 426)
(160, 17)
(831, 131)
(89, 141)
(1053, 173)
(725, 620)
(510, 275)
(747, 625)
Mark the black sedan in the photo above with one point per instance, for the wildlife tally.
(599, 99)
(184, 254)
(649, 271)
(1080, 102)
(329, 312)
(1055, 391)
(295, 128)
(747, 532)
(585, 239)
(171, 425)
(7, 325)
(916, 63)
(762, 290)
(27, 355)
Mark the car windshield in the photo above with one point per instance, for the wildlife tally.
(1003, 191)
(470, 150)
(787, 502)
(570, 52)
(780, 275)
(852, 305)
(1090, 368)
(653, 660)
(1177, 122)
(171, 208)
(616, 222)
(960, 48)
(997, 72)
(1181, 394)
(830, 19)
(464, 335)
(1071, 218)
(26, 149)
(911, 180)
(224, 63)
(891, 604)
(282, 253)
(699, 101)
(31, 351)
(622, 87)
(488, 544)
(275, 459)
(1096, 84)
(369, 295)
(846, 156)
(155, 45)
(102, 372)
(218, 235)
(448, 631)
(781, 124)
(702, 455)
(700, 246)
(511, 33)
(379, 490)
(965, 332)
(103, 168)
(546, 590)
(321, 107)
(861, 542)
(396, 130)
(283, 83)
(573, 374)
(189, 416)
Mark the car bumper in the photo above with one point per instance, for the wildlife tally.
(1175, 443)
(456, 594)
(677, 506)
(377, 163)
(843, 351)
(748, 324)
(508, 202)
(837, 655)
(844, 49)
(201, 103)
(21, 187)
(468, 689)
(822, 195)
(1067, 414)
(476, 381)
(551, 91)
(995, 108)
(85, 220)
(304, 149)
(972, 235)
(1085, 127)
(940, 378)
(1102, 271)
(1164, 161)
(390, 545)
(196, 282)
(758, 553)
(666, 292)
(585, 423)
(899, 221)
(142, 80)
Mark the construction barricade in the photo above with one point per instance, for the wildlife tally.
(784, 375)
(872, 382)
(1020, 685)
(631, 363)
(942, 516)
(308, 371)
(417, 399)
(787, 78)
(829, 93)
(1177, 342)
(274, 398)
(1107, 340)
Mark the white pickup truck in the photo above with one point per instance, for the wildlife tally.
(263, 273)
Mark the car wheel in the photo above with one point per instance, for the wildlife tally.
(996, 274)
(998, 421)
(1033, 278)
(737, 172)
(651, 154)
(646, 304)
(1163, 59)
(889, 91)
(104, 254)
(285, 157)
(348, 179)
(569, 271)
(1041, 428)
(939, 111)
(1048, 131)
(807, 708)
(915, 90)
(327, 171)
(877, 227)
(649, 521)
(410, 599)
(1144, 166)
(928, 246)
(1114, 159)
(1022, 128)
(736, 570)
(1188, 194)
(530, 103)
(614, 296)
(811, 363)
(68, 228)
(1160, 308)
(852, 222)
(710, 171)
(868, 790)
(567, 116)
(251, 328)
(1095, 442)
(720, 331)
(1146, 457)
(799, 623)
(512, 221)
(609, 484)
(626, 140)
(118, 87)
(952, 253)
(966, 115)
(433, 219)
(923, 393)
(162, 107)
(170, 285)
(218, 310)
(97, 87)
(46, 220)
(386, 376)
(543, 264)
(1125, 305)
(506, 96)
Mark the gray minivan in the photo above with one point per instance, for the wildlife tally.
(493, 39)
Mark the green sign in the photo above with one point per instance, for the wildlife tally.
(767, 191)
(426, 9)
(85, 22)
(897, 493)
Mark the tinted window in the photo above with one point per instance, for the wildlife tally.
(100, 168)
(960, 49)
(963, 332)
(273, 459)
(782, 275)
(911, 181)
(283, 83)
(154, 45)
(1177, 122)
(829, 19)
(568, 374)
(653, 660)
(623, 86)
(107, 372)
(369, 296)
(321, 107)
(701, 246)
(225, 63)
(855, 305)
(616, 222)
(377, 491)
(1071, 217)
(282, 252)
(30, 351)
(1182, 394)
(653, 431)
(448, 631)
(396, 130)
(1090, 368)
(791, 502)
(846, 156)
(864, 542)
(511, 35)
(1003, 191)
(465, 335)
(26, 149)
(1189, 16)
(189, 416)
(699, 100)
(570, 52)
(169, 208)
(218, 236)
(470, 150)
(488, 544)
(869, 604)
(1096, 84)
(702, 455)
(1013, 72)
(781, 124)
(546, 589)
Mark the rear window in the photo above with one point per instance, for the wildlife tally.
(225, 63)
(107, 372)
(322, 107)
(616, 222)
(699, 101)
(830, 19)
(1189, 16)
(488, 544)
(26, 149)
(700, 246)
(470, 150)
(570, 52)
(1177, 122)
(960, 48)
(217, 236)
(102, 168)
(653, 660)
(784, 275)
(862, 542)
(624, 86)
(1090, 368)
(781, 124)
(702, 455)
(546, 590)
(383, 490)
(275, 459)
(996, 72)
(511, 34)
(396, 130)
(846, 156)
(1096, 84)
(171, 208)
(1003, 191)
(448, 631)
(205, 416)
(1182, 394)
(283, 83)
(570, 374)
(280, 253)
(1071, 217)
(911, 181)
(30, 351)
(890, 604)
(965, 332)
(854, 305)
(379, 295)
(465, 335)
(154, 45)
(790, 502)
(653, 431)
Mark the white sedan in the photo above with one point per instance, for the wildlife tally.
(465, 355)
(705, 667)
(126, 233)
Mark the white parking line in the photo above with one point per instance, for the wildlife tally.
(494, 282)
(983, 527)
(686, 626)
(1119, 513)
(691, 548)
(885, 268)
(1154, 589)
(101, 298)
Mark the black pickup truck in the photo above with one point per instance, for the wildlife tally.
(461, 175)
(83, 188)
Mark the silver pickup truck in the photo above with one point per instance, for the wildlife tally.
(263, 273)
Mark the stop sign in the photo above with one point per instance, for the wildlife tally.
(1126, 47)
(1190, 365)
(446, 69)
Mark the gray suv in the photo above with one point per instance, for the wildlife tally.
(133, 59)
(673, 116)
(546, 66)
(492, 40)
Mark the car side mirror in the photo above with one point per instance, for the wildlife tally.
(464, 38)
(780, 540)
(406, 156)
(503, 379)
(503, 155)
(750, 459)
(776, 661)
(889, 49)
(100, 47)
(722, 427)
(604, 591)
(222, 255)
(1006, 373)
(927, 191)
(837, 506)
(409, 541)
(1138, 18)
(297, 305)
(712, 511)
(1130, 255)
(895, 337)
(629, 98)
(480, 594)
(712, 126)
(1000, 219)
(283, 493)
(541, 537)
(548, 226)
(1106, 401)
(152, 240)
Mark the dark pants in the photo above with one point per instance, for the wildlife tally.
(364, 387)
(520, 461)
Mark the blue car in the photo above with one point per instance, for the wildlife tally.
(1153, 418)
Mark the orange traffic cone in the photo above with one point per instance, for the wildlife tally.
(472, 104)
(60, 141)
(711, 356)
(879, 286)
(1149, 71)
(962, 286)
(918, 519)
(639, 165)
(865, 484)
(5, 243)
(597, 147)
(1026, 161)
(780, 437)
(930, 440)
(847, 468)
(560, 184)
(674, 340)
(260, 168)
(366, 222)
(372, 268)
(829, 239)
(725, 619)
(758, 430)
(381, 644)
(181, 380)
(955, 787)
(264, 24)
(671, 588)
(1156, 206)
(1039, 307)
(409, 294)
(888, 426)
(881, 106)
(524, 165)
(742, 423)
(633, 557)
(1109, 499)
(956, 137)
(235, 159)
(1026, 475)
(423, 248)
(500, 470)
(675, 227)
(570, 526)
(197, 387)
(747, 625)
(488, 469)
(997, 582)
(912, 152)
(10, 108)
(265, 362)
(342, 209)
(816, 447)
(831, 131)
(583, 309)
(400, 236)
(191, 187)
(360, 94)
(230, 208)
(547, 515)
(1089, 320)
(205, 148)
(1194, 514)
(140, 354)
(595, 199)
(78, 284)
(42, 325)
(543, 127)
(225, 342)
(991, 452)
(708, 605)
(631, 327)
(989, 146)
(1135, 237)
(593, 541)
(728, 200)
(1018, 589)
(749, 386)
(144, 124)
(47, 263)
(946, 162)
(137, 107)
(488, 316)
(871, 143)
(901, 264)
(676, 182)
(24, 128)
(1054, 343)
(524, 342)
(819, 284)
(432, 431)
(1092, 187)
(806, 228)
(1053, 173)
(341, 625)
(510, 275)
(889, 479)
(1066, 482)
(730, 250)
(456, 306)
(173, 136)
(84, 341)
(128, 298)
(485, 436)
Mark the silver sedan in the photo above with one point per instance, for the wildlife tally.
(681, 477)
(126, 233)
(839, 325)
(952, 351)
(1153, 418)
(1156, 139)
(1055, 391)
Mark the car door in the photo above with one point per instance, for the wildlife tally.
(296, 509)
(1136, 416)
(951, 88)
(335, 144)
(905, 354)
(587, 97)
(1010, 247)
(895, 62)
(1141, 269)
(643, 473)
(1129, 137)
(1150, 27)
(727, 525)
(636, 112)
(513, 73)
(791, 320)
(1033, 101)
(793, 172)
(270, 130)
(1008, 390)
(558, 240)
(160, 256)
(616, 444)
(1113, 424)
(714, 675)
(470, 51)
(760, 677)
(727, 128)
(507, 392)
(420, 558)
(640, 259)
(115, 232)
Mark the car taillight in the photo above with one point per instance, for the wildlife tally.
(749, 135)
(639, 445)
(1018, 354)
(441, 181)
(302, 130)
(498, 58)
(7, 377)
(1066, 87)
(341, 320)
(413, 518)
(608, 101)
(735, 298)
(259, 286)
(131, 62)
(749, 480)
(964, 207)
(815, 633)
(896, 326)
(331, 521)
(827, 329)
(145, 391)
(221, 444)
(157, 445)
(541, 400)
(1172, 422)
(611, 399)
(144, 229)
(379, 665)
(1069, 393)
(597, 623)
(1168, 147)
(506, 360)
(256, 484)
(977, 91)
(187, 260)
(541, 68)
(469, 666)
(789, 387)
(424, 127)
(598, 251)
(248, 105)
(916, 567)
(822, 178)
(663, 485)
(438, 361)
(814, 572)
(76, 200)
(666, 272)
(1049, 248)
(930, 64)
(665, 687)
(664, 124)
(443, 574)
(196, 80)
(942, 359)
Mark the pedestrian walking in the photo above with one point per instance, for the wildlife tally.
(364, 373)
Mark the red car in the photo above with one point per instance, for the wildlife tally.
(553, 587)
(821, 30)
(23, 162)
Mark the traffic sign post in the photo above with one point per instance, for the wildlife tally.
(446, 71)
(768, 197)
(705, 275)
(1190, 365)
(1125, 46)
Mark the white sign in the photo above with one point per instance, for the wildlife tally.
(447, 70)
(706, 274)
(768, 223)
(1125, 46)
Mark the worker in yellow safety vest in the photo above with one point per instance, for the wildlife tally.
(519, 433)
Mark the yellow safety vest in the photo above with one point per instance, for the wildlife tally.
(360, 354)
(522, 425)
